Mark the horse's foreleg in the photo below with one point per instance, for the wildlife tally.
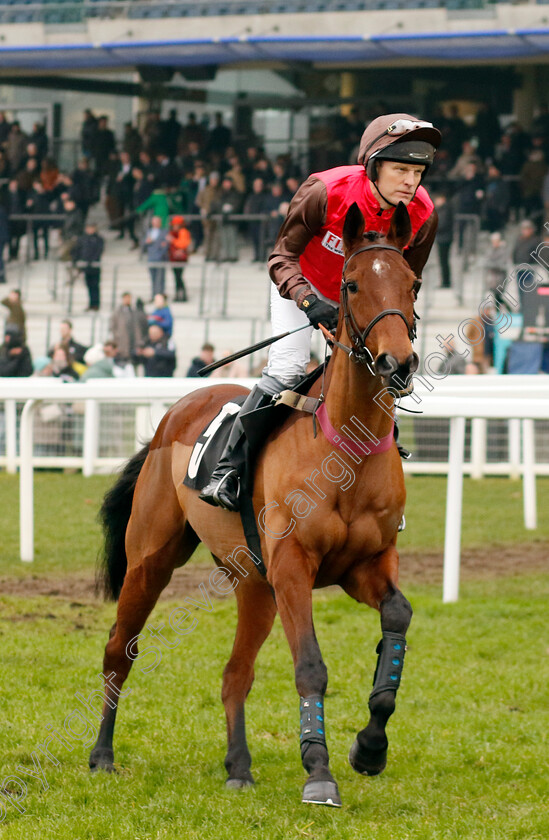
(293, 588)
(368, 754)
(256, 613)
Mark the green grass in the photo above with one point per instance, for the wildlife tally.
(67, 536)
(468, 758)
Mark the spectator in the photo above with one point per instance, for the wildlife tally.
(227, 203)
(124, 185)
(167, 173)
(179, 239)
(526, 243)
(487, 130)
(162, 314)
(497, 200)
(170, 130)
(73, 349)
(220, 136)
(15, 357)
(89, 250)
(39, 205)
(205, 357)
(277, 208)
(131, 142)
(468, 197)
(16, 316)
(445, 235)
(156, 247)
(454, 362)
(468, 156)
(545, 195)
(16, 206)
(103, 145)
(4, 128)
(497, 262)
(532, 175)
(61, 365)
(88, 133)
(455, 132)
(85, 190)
(204, 200)
(256, 205)
(126, 329)
(73, 227)
(16, 147)
(104, 362)
(4, 239)
(158, 355)
(192, 132)
(39, 138)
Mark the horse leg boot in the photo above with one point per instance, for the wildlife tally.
(368, 754)
(223, 487)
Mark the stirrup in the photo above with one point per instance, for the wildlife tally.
(221, 495)
(403, 452)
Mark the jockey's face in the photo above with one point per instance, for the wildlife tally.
(397, 181)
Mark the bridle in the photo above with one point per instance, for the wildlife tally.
(359, 352)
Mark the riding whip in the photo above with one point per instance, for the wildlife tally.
(260, 344)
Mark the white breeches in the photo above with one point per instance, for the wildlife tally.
(289, 357)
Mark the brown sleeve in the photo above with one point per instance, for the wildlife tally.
(306, 216)
(417, 254)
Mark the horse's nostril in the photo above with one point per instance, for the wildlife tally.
(412, 362)
(385, 364)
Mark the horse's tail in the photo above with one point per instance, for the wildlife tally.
(114, 516)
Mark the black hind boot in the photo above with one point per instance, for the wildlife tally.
(224, 485)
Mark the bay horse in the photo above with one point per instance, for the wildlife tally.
(325, 518)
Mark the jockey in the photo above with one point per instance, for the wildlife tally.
(395, 153)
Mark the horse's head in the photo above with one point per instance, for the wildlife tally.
(377, 298)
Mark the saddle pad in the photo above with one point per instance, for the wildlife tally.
(210, 445)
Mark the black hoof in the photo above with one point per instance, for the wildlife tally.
(238, 784)
(102, 759)
(371, 763)
(321, 793)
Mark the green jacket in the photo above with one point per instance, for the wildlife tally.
(162, 204)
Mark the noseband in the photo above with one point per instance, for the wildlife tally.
(359, 352)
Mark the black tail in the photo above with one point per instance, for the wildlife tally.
(114, 517)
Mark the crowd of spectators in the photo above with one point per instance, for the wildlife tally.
(151, 178)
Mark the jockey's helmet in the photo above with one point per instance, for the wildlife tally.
(398, 137)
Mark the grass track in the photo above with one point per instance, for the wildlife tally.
(469, 753)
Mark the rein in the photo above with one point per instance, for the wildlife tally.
(359, 352)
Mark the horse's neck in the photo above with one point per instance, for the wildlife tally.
(353, 392)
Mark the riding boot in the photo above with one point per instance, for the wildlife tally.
(223, 487)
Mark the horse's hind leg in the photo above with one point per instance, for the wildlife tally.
(156, 542)
(368, 753)
(256, 613)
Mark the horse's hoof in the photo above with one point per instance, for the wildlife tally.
(373, 765)
(238, 784)
(102, 759)
(321, 793)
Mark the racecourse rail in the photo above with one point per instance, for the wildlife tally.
(518, 399)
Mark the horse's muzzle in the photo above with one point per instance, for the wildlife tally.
(395, 375)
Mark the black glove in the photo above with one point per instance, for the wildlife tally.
(319, 312)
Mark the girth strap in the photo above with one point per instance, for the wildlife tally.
(298, 401)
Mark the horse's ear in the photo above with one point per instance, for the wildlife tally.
(353, 229)
(400, 231)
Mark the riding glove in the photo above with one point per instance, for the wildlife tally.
(319, 312)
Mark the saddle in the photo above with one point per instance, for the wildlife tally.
(258, 425)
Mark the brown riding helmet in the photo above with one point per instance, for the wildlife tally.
(400, 137)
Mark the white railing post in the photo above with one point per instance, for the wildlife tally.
(529, 475)
(454, 496)
(10, 415)
(91, 437)
(26, 484)
(514, 448)
(478, 447)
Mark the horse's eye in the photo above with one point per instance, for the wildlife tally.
(352, 287)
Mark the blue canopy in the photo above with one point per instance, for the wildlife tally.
(340, 49)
